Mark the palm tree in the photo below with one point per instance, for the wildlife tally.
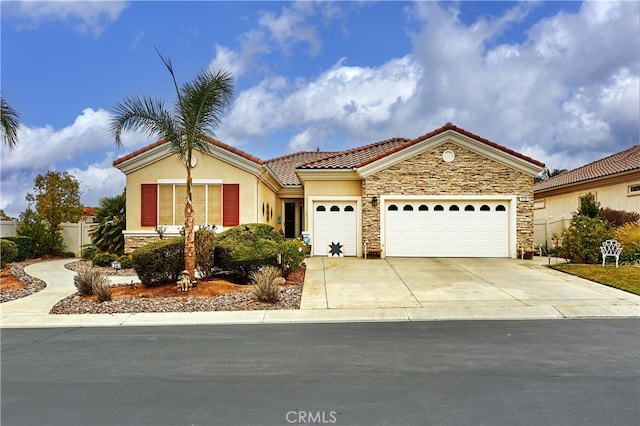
(112, 220)
(546, 174)
(187, 127)
(9, 119)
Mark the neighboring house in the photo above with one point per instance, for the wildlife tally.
(448, 193)
(614, 181)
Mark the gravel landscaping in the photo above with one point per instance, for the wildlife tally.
(290, 295)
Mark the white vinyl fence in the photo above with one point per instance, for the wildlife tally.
(544, 230)
(74, 235)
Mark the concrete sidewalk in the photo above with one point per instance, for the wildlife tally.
(350, 289)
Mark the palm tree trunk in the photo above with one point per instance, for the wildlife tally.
(189, 232)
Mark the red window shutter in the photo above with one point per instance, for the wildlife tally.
(230, 204)
(149, 204)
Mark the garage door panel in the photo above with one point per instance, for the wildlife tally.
(334, 223)
(447, 228)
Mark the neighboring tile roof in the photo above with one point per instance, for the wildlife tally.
(214, 142)
(624, 161)
(284, 167)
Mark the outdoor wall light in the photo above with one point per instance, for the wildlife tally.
(374, 201)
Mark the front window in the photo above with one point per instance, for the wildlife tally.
(207, 204)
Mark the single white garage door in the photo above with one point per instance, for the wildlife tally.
(447, 228)
(334, 228)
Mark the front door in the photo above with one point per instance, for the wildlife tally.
(289, 220)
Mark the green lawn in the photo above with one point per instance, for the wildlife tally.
(625, 278)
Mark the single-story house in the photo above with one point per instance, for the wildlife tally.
(614, 181)
(448, 193)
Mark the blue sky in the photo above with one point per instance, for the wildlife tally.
(558, 81)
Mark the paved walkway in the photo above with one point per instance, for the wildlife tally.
(351, 289)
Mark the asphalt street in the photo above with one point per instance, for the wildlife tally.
(556, 372)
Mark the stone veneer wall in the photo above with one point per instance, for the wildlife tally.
(428, 174)
(132, 242)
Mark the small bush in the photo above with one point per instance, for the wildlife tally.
(25, 247)
(267, 289)
(9, 252)
(159, 262)
(293, 253)
(89, 251)
(85, 279)
(126, 261)
(104, 259)
(582, 240)
(102, 290)
(245, 248)
(205, 252)
(619, 218)
(68, 254)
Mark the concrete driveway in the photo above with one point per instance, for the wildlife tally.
(460, 287)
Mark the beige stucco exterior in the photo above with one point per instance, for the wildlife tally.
(553, 208)
(208, 169)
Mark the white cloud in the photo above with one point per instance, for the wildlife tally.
(228, 60)
(86, 141)
(567, 94)
(290, 27)
(87, 17)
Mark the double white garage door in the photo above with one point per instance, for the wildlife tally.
(418, 228)
(446, 228)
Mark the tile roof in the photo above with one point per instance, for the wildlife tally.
(356, 156)
(284, 167)
(214, 142)
(368, 154)
(624, 161)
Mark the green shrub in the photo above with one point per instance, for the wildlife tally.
(126, 261)
(89, 251)
(159, 262)
(104, 259)
(267, 289)
(205, 241)
(293, 253)
(42, 242)
(25, 247)
(582, 240)
(8, 252)
(68, 254)
(245, 248)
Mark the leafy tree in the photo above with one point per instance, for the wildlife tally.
(187, 127)
(57, 200)
(3, 215)
(9, 123)
(31, 225)
(111, 216)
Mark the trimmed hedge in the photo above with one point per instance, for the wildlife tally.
(244, 249)
(25, 247)
(159, 262)
(8, 252)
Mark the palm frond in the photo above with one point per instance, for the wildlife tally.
(204, 102)
(144, 114)
(9, 121)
